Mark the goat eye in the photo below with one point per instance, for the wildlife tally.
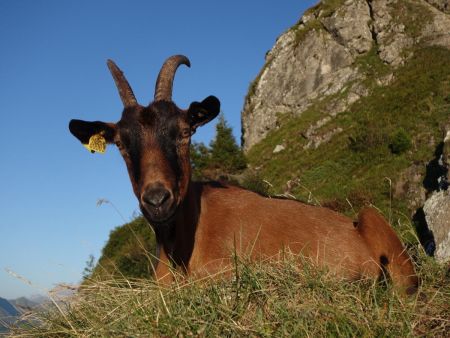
(119, 144)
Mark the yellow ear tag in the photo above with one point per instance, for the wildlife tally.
(97, 143)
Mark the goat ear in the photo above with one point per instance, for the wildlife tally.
(84, 131)
(203, 112)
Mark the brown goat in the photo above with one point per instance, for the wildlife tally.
(199, 225)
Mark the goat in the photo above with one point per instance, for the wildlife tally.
(199, 225)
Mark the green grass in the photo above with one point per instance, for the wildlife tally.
(302, 32)
(372, 66)
(262, 300)
(359, 162)
(323, 9)
(413, 15)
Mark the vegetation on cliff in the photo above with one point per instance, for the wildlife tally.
(382, 135)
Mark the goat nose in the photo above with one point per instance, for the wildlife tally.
(156, 196)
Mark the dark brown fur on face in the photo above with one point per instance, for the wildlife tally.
(199, 226)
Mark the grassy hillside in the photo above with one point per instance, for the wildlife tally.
(383, 134)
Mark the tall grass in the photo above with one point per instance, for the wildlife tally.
(286, 297)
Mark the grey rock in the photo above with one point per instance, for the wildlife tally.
(278, 148)
(316, 140)
(294, 76)
(317, 58)
(437, 206)
(446, 150)
(409, 186)
(385, 80)
(437, 214)
(390, 35)
(437, 32)
(444, 161)
(350, 26)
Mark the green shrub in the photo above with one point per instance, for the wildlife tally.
(254, 182)
(129, 252)
(200, 159)
(401, 142)
(225, 153)
(368, 137)
(223, 157)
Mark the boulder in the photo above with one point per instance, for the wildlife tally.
(437, 214)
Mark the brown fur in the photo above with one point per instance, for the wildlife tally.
(217, 220)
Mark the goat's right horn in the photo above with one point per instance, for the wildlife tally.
(163, 88)
(125, 91)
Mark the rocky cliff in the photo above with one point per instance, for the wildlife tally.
(318, 57)
(352, 107)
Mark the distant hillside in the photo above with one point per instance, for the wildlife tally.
(7, 308)
(24, 304)
(8, 314)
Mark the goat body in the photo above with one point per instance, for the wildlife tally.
(199, 226)
(217, 220)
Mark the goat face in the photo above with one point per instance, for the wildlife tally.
(154, 141)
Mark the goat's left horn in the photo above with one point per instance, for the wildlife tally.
(125, 91)
(163, 88)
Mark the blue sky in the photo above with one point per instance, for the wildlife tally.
(53, 68)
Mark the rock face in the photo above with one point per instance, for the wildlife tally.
(437, 213)
(437, 206)
(317, 58)
(319, 66)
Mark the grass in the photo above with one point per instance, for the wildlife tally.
(323, 9)
(372, 66)
(283, 298)
(301, 32)
(413, 15)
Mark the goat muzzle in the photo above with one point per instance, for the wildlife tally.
(158, 203)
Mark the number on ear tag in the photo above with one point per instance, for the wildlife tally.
(97, 143)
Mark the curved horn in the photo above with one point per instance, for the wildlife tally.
(125, 91)
(163, 88)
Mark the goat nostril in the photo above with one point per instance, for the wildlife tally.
(156, 197)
